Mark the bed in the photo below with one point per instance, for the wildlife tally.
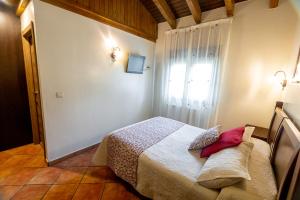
(161, 167)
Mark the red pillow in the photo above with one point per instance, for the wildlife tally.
(227, 139)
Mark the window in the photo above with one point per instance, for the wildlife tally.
(197, 81)
(176, 83)
(191, 70)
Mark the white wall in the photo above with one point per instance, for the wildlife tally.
(296, 42)
(261, 43)
(98, 95)
(292, 103)
(296, 3)
(291, 94)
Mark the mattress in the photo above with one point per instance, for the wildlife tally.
(167, 170)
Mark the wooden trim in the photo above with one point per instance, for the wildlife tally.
(32, 82)
(21, 7)
(33, 85)
(27, 31)
(166, 11)
(274, 3)
(195, 10)
(90, 14)
(26, 34)
(229, 7)
(53, 162)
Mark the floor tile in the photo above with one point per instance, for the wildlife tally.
(31, 192)
(16, 161)
(89, 191)
(71, 175)
(21, 177)
(24, 175)
(61, 192)
(99, 175)
(8, 171)
(4, 157)
(46, 176)
(82, 160)
(6, 192)
(37, 161)
(30, 149)
(117, 191)
(42, 152)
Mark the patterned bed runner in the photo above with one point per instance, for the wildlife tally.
(125, 146)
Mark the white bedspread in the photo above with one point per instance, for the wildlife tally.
(167, 170)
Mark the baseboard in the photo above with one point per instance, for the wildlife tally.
(53, 162)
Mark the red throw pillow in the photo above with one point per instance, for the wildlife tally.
(227, 139)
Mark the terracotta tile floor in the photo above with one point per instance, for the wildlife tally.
(24, 175)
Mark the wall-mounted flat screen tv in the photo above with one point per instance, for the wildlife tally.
(136, 64)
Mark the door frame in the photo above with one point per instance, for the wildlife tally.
(33, 85)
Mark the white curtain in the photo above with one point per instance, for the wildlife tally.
(191, 73)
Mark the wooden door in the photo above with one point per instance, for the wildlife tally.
(33, 87)
(15, 125)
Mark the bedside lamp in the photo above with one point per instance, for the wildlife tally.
(283, 80)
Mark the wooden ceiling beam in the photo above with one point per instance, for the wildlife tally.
(229, 7)
(166, 12)
(274, 3)
(195, 10)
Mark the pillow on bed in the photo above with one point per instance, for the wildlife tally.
(226, 167)
(205, 138)
(249, 130)
(227, 139)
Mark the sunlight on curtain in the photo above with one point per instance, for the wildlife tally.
(176, 84)
(199, 84)
(192, 71)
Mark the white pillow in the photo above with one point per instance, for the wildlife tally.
(249, 130)
(226, 167)
(205, 138)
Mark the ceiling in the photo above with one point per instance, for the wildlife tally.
(180, 7)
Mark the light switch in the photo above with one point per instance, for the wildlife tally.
(59, 95)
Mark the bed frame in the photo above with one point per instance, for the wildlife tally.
(284, 139)
(276, 122)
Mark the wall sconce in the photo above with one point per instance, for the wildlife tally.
(115, 54)
(283, 80)
(115, 51)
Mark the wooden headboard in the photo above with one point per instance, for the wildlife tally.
(276, 122)
(285, 160)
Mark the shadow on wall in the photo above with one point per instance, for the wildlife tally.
(296, 3)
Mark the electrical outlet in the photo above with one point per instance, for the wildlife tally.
(59, 95)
